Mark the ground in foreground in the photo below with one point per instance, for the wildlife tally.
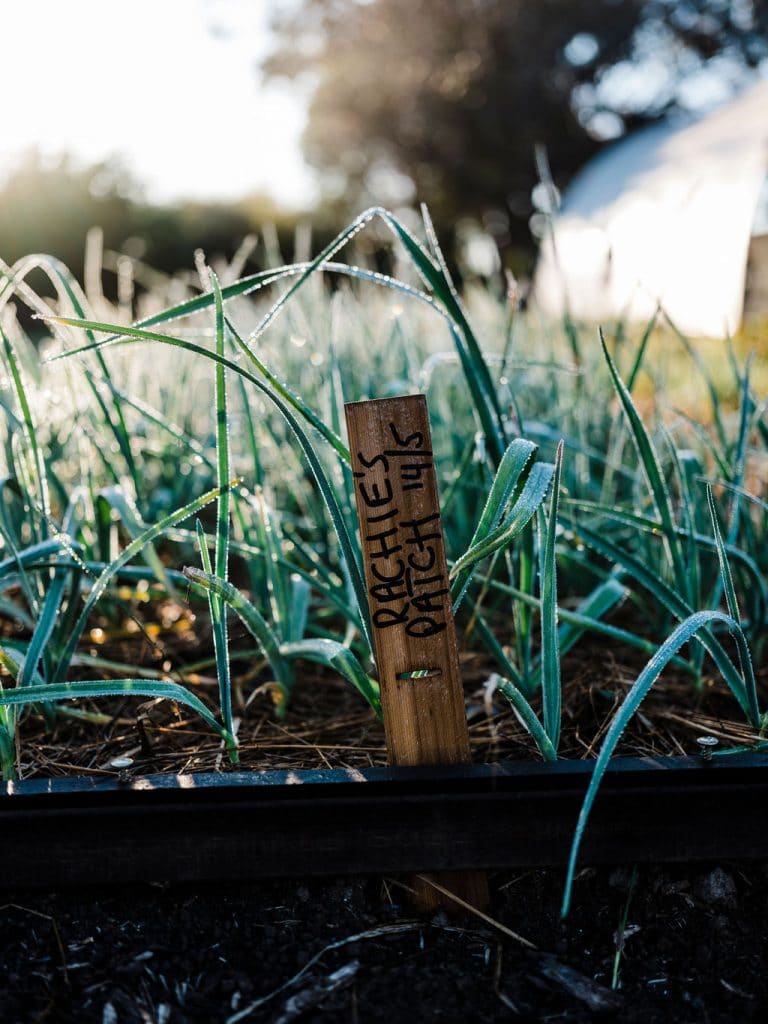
(694, 949)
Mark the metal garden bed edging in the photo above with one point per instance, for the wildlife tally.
(249, 825)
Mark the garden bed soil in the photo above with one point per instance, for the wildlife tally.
(327, 724)
(695, 942)
(694, 950)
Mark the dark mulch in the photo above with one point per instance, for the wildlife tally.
(695, 948)
(328, 725)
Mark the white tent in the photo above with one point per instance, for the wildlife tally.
(665, 216)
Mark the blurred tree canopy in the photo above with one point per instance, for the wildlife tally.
(445, 100)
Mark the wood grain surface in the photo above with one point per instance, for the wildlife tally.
(409, 598)
(407, 580)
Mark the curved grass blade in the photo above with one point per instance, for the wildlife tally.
(550, 653)
(317, 578)
(115, 498)
(277, 591)
(249, 285)
(528, 717)
(585, 623)
(745, 659)
(495, 648)
(31, 433)
(13, 612)
(513, 463)
(13, 279)
(253, 621)
(591, 609)
(66, 285)
(125, 556)
(348, 552)
(521, 513)
(220, 652)
(434, 248)
(278, 387)
(35, 553)
(221, 550)
(324, 651)
(670, 600)
(112, 688)
(652, 472)
(639, 690)
(12, 655)
(757, 502)
(475, 367)
(43, 628)
(291, 397)
(161, 421)
(706, 376)
(725, 569)
(757, 581)
(641, 349)
(244, 286)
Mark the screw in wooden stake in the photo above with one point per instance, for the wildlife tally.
(406, 575)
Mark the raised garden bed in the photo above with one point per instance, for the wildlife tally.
(583, 576)
(245, 825)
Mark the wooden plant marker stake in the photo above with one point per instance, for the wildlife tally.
(406, 575)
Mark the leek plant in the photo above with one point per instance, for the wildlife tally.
(576, 484)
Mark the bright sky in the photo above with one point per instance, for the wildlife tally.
(171, 85)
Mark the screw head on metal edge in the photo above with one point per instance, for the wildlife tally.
(706, 746)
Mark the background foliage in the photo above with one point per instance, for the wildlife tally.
(446, 99)
(440, 101)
